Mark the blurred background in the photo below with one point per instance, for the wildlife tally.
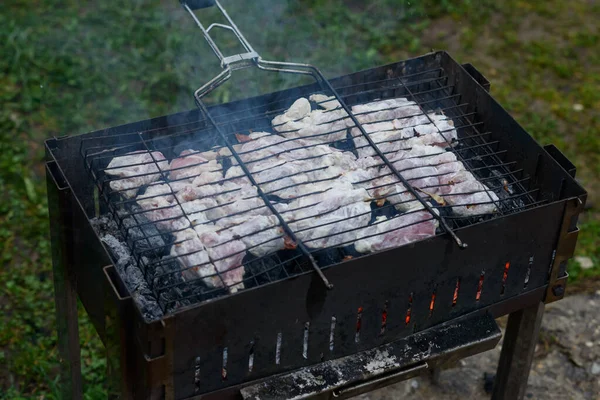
(69, 67)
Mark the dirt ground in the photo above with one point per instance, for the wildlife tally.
(566, 363)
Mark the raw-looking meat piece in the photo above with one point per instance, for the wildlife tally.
(325, 102)
(160, 207)
(471, 198)
(384, 110)
(399, 134)
(260, 233)
(189, 164)
(299, 109)
(210, 154)
(467, 195)
(331, 125)
(262, 147)
(333, 228)
(286, 181)
(308, 150)
(340, 194)
(226, 253)
(207, 177)
(135, 169)
(192, 255)
(191, 192)
(253, 205)
(421, 166)
(323, 126)
(200, 211)
(397, 231)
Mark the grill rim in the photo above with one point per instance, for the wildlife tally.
(573, 190)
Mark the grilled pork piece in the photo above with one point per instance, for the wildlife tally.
(260, 233)
(466, 194)
(226, 253)
(192, 255)
(135, 170)
(388, 233)
(431, 169)
(325, 102)
(192, 164)
(159, 206)
(334, 227)
(213, 257)
(402, 134)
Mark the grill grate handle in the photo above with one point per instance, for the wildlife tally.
(251, 58)
(197, 4)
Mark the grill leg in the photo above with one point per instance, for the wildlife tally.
(65, 295)
(520, 339)
(68, 335)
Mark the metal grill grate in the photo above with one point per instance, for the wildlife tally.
(152, 239)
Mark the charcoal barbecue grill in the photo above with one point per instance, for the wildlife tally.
(313, 321)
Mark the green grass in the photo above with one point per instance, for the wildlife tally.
(70, 67)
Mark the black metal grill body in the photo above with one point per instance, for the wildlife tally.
(182, 354)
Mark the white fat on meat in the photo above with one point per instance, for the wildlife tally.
(191, 164)
(399, 134)
(226, 253)
(325, 102)
(333, 228)
(200, 211)
(402, 229)
(159, 206)
(324, 126)
(192, 255)
(340, 194)
(294, 178)
(261, 234)
(135, 170)
(467, 195)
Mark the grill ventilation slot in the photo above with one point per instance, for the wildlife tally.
(332, 334)
(358, 324)
(305, 341)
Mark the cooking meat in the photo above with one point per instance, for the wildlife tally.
(396, 231)
(324, 126)
(191, 164)
(324, 194)
(260, 233)
(226, 253)
(325, 102)
(400, 134)
(135, 170)
(333, 228)
(159, 205)
(192, 255)
(467, 195)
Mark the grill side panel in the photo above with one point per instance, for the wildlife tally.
(392, 276)
(401, 282)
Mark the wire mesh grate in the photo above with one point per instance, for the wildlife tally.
(204, 219)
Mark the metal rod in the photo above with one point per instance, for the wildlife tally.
(267, 202)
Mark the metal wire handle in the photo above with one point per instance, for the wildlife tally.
(250, 58)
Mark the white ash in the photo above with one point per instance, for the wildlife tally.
(380, 362)
(128, 270)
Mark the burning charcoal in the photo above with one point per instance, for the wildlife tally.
(263, 269)
(145, 235)
(327, 257)
(386, 210)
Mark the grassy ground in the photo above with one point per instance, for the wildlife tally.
(70, 67)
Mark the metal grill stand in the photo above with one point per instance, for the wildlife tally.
(159, 360)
